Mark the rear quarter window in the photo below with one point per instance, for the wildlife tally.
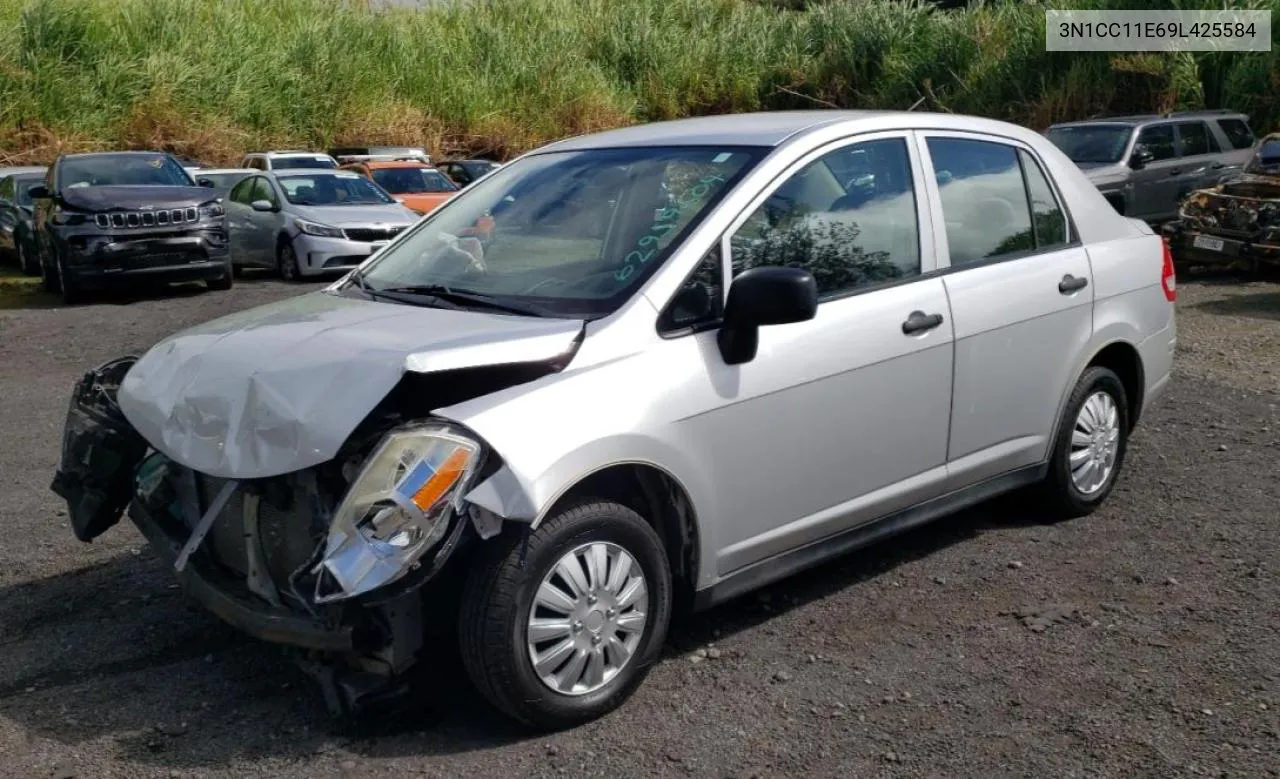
(1237, 132)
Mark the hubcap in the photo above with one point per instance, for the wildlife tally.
(587, 618)
(1095, 441)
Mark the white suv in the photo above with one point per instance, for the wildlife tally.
(288, 160)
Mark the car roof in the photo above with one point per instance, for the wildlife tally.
(301, 172)
(763, 128)
(22, 170)
(377, 164)
(1136, 119)
(128, 153)
(226, 170)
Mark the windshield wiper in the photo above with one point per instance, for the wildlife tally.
(463, 297)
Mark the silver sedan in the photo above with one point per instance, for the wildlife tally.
(309, 222)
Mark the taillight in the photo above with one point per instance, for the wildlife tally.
(1167, 278)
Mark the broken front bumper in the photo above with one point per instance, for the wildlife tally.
(243, 566)
(1192, 244)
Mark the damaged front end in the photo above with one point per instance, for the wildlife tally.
(1237, 221)
(332, 561)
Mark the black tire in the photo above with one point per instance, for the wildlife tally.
(499, 593)
(1058, 491)
(28, 265)
(287, 262)
(49, 276)
(237, 271)
(223, 283)
(71, 292)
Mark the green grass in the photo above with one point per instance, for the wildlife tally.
(217, 77)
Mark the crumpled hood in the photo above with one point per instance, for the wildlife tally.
(279, 388)
(135, 197)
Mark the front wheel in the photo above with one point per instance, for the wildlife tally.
(560, 627)
(223, 282)
(287, 261)
(1089, 450)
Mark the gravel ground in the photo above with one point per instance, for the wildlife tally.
(1139, 642)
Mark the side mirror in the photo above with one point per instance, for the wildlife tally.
(205, 182)
(262, 205)
(39, 192)
(760, 297)
(1140, 157)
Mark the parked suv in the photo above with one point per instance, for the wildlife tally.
(1146, 165)
(17, 216)
(688, 359)
(287, 160)
(118, 217)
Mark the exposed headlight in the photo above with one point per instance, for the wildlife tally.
(396, 509)
(315, 228)
(212, 210)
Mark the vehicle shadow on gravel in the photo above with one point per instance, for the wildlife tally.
(1260, 305)
(863, 565)
(115, 650)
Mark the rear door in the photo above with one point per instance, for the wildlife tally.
(1156, 186)
(239, 224)
(1201, 156)
(1021, 293)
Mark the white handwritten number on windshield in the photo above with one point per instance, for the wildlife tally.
(665, 220)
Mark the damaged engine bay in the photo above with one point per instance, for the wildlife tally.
(1237, 220)
(331, 561)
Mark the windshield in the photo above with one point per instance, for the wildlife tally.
(23, 194)
(105, 170)
(1101, 143)
(573, 233)
(302, 162)
(412, 181)
(332, 189)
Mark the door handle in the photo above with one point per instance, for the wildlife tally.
(1175, 171)
(1071, 284)
(919, 321)
(1217, 166)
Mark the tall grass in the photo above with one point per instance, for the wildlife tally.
(216, 77)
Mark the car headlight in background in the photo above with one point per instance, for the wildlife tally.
(396, 509)
(317, 229)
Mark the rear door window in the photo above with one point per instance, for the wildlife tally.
(1195, 139)
(1237, 132)
(1158, 138)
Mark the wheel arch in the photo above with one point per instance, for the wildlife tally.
(1123, 359)
(657, 496)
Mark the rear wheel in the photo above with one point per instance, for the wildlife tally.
(287, 262)
(560, 627)
(1089, 450)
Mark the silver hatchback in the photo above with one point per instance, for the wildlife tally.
(308, 222)
(660, 365)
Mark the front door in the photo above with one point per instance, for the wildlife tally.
(1156, 185)
(1021, 292)
(843, 418)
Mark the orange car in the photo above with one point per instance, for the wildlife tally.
(417, 184)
